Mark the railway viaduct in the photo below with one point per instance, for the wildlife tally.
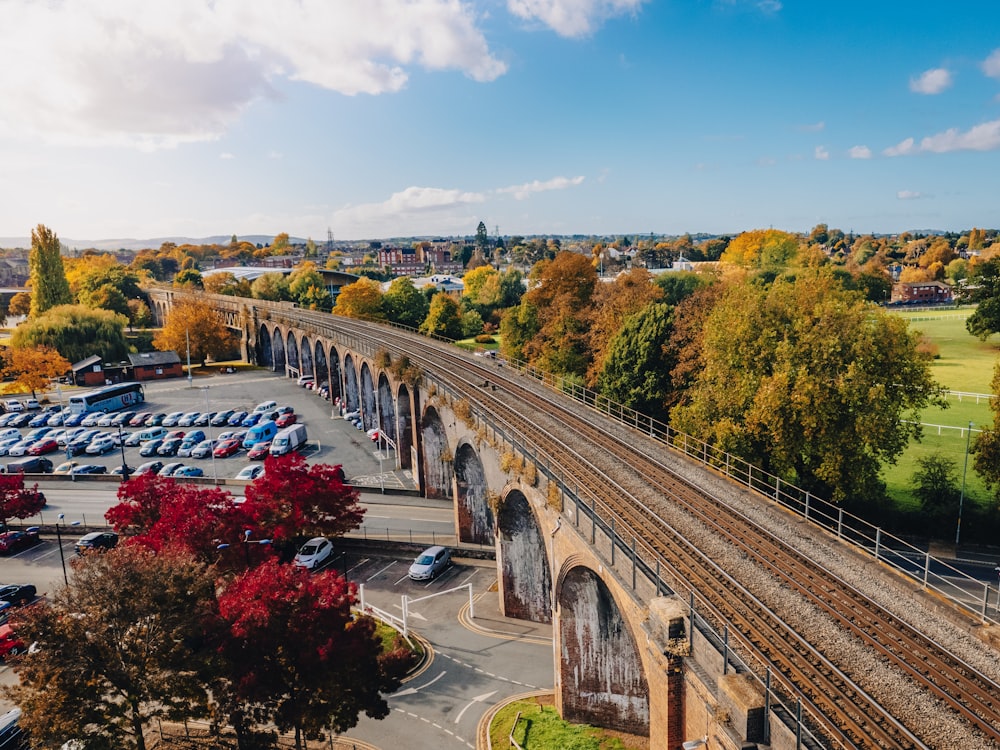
(629, 653)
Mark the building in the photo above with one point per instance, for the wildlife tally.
(921, 293)
(154, 366)
(89, 371)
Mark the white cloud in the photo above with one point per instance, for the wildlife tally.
(908, 195)
(991, 65)
(859, 152)
(813, 127)
(932, 81)
(413, 211)
(521, 192)
(572, 18)
(982, 137)
(821, 153)
(163, 72)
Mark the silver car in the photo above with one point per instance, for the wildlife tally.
(429, 563)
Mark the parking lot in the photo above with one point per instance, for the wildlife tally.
(330, 440)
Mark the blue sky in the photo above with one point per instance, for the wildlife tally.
(387, 118)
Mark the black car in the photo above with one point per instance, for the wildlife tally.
(169, 447)
(150, 447)
(90, 469)
(97, 541)
(18, 593)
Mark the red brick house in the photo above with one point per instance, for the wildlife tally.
(921, 293)
(155, 366)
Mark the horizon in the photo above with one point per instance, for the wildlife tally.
(543, 118)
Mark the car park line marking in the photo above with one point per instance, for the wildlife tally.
(379, 572)
(358, 565)
(499, 677)
(478, 699)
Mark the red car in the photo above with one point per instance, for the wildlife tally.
(43, 446)
(14, 540)
(286, 419)
(10, 643)
(226, 448)
(259, 450)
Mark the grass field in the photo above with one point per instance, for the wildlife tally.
(965, 365)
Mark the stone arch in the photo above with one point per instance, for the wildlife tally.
(265, 353)
(321, 369)
(404, 420)
(352, 395)
(601, 676)
(386, 410)
(293, 352)
(306, 358)
(278, 351)
(475, 517)
(336, 381)
(524, 565)
(367, 398)
(438, 465)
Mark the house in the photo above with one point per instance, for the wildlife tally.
(89, 371)
(921, 293)
(155, 366)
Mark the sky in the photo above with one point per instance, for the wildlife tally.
(374, 119)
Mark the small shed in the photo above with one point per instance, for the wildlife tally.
(155, 365)
(89, 371)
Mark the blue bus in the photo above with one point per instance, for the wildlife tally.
(108, 398)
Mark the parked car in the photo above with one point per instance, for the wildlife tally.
(139, 419)
(306, 380)
(287, 419)
(39, 420)
(100, 445)
(204, 419)
(259, 451)
(220, 419)
(249, 473)
(227, 448)
(43, 446)
(21, 447)
(90, 469)
(6, 417)
(120, 470)
(12, 404)
(12, 541)
(7, 443)
(188, 471)
(252, 419)
(32, 404)
(10, 645)
(174, 434)
(18, 594)
(150, 447)
(430, 563)
(314, 553)
(56, 420)
(122, 418)
(150, 467)
(106, 420)
(155, 420)
(66, 467)
(38, 433)
(203, 449)
(30, 465)
(236, 419)
(172, 418)
(188, 419)
(169, 469)
(133, 439)
(96, 541)
(92, 419)
(169, 447)
(73, 420)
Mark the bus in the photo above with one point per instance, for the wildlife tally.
(109, 398)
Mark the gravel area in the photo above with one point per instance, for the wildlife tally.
(916, 708)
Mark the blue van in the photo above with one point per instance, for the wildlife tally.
(261, 432)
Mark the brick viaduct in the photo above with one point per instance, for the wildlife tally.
(626, 656)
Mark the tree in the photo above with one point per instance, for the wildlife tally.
(613, 303)
(139, 314)
(294, 500)
(404, 304)
(637, 368)
(20, 304)
(335, 671)
(679, 285)
(115, 649)
(271, 286)
(986, 447)
(306, 287)
(99, 280)
(764, 249)
(935, 486)
(189, 278)
(362, 299)
(984, 282)
(809, 382)
(482, 241)
(226, 283)
(76, 332)
(444, 319)
(195, 322)
(34, 368)
(49, 287)
(18, 501)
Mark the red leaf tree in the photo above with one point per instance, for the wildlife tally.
(294, 499)
(157, 512)
(16, 500)
(295, 656)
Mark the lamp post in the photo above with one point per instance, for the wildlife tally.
(121, 444)
(997, 569)
(247, 541)
(62, 556)
(215, 475)
(961, 497)
(187, 340)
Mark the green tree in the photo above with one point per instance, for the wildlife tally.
(306, 287)
(637, 368)
(76, 332)
(115, 650)
(986, 447)
(271, 286)
(188, 277)
(482, 240)
(404, 304)
(809, 382)
(49, 287)
(985, 290)
(444, 319)
(679, 285)
(935, 486)
(511, 288)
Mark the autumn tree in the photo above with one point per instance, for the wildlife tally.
(18, 501)
(637, 367)
(307, 288)
(226, 283)
(404, 304)
(98, 280)
(188, 278)
(115, 649)
(336, 670)
(271, 286)
(763, 249)
(362, 299)
(76, 332)
(195, 322)
(444, 318)
(613, 303)
(33, 369)
(139, 314)
(809, 382)
(20, 304)
(49, 287)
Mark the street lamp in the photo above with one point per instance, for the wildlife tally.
(997, 569)
(961, 497)
(187, 339)
(121, 444)
(247, 541)
(215, 474)
(62, 556)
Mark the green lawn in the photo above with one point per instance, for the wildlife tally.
(540, 728)
(965, 365)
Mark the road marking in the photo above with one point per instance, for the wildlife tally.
(470, 704)
(379, 572)
(411, 691)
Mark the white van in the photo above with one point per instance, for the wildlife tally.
(260, 433)
(289, 439)
(12, 404)
(266, 406)
(9, 432)
(153, 433)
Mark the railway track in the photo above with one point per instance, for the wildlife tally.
(832, 700)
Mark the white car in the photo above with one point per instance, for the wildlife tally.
(251, 472)
(68, 434)
(12, 404)
(100, 445)
(105, 420)
(314, 553)
(7, 443)
(20, 448)
(32, 403)
(91, 420)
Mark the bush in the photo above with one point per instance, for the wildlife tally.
(485, 338)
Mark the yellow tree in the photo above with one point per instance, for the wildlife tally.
(195, 322)
(762, 248)
(613, 303)
(362, 299)
(33, 368)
